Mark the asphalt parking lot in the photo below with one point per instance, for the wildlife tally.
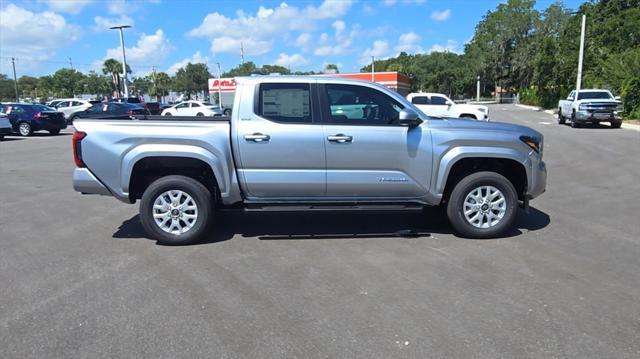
(79, 278)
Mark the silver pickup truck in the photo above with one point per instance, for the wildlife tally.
(310, 143)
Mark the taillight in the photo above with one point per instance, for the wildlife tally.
(77, 148)
(41, 115)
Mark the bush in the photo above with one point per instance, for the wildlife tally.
(631, 98)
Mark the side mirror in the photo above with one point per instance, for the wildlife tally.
(409, 118)
(449, 103)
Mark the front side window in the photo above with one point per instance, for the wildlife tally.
(288, 103)
(182, 105)
(360, 105)
(193, 104)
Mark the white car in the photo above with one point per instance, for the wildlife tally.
(69, 107)
(192, 108)
(439, 105)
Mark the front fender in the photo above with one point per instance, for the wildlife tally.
(217, 165)
(457, 153)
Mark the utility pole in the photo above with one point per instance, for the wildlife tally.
(241, 53)
(70, 63)
(582, 34)
(219, 87)
(478, 89)
(15, 78)
(124, 58)
(373, 65)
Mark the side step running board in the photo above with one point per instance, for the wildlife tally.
(332, 207)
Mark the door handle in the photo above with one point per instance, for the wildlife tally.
(340, 138)
(257, 137)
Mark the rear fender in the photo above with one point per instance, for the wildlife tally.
(174, 150)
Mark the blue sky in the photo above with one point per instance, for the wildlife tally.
(166, 34)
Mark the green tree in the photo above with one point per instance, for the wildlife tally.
(331, 68)
(113, 67)
(192, 79)
(67, 82)
(245, 69)
(161, 85)
(7, 90)
(96, 84)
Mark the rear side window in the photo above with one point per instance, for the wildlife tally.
(420, 100)
(438, 100)
(289, 103)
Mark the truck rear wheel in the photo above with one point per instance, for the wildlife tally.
(482, 205)
(175, 210)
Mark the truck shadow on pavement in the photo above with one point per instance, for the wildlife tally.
(336, 225)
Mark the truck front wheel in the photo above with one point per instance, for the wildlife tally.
(176, 210)
(482, 205)
(561, 119)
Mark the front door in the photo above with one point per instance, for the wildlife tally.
(281, 150)
(369, 154)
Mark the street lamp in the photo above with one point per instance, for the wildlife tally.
(124, 59)
(373, 64)
(219, 87)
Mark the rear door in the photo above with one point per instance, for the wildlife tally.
(369, 155)
(439, 106)
(280, 144)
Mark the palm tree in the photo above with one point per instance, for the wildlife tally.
(113, 67)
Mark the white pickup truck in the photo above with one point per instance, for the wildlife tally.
(439, 105)
(590, 106)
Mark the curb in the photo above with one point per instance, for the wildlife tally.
(629, 126)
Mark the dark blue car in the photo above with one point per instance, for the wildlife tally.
(27, 118)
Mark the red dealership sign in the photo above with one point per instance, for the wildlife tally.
(225, 84)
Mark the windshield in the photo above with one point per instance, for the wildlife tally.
(42, 108)
(603, 95)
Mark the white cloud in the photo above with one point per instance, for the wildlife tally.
(405, 2)
(379, 50)
(266, 26)
(117, 7)
(303, 41)
(31, 36)
(408, 43)
(67, 6)
(232, 45)
(443, 15)
(451, 46)
(340, 26)
(103, 23)
(150, 50)
(288, 61)
(197, 58)
(341, 42)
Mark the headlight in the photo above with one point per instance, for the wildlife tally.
(481, 109)
(582, 107)
(534, 143)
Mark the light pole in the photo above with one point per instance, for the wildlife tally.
(124, 59)
(582, 34)
(373, 64)
(478, 89)
(219, 87)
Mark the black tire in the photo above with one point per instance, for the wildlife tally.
(198, 192)
(573, 120)
(199, 114)
(227, 112)
(616, 124)
(24, 129)
(455, 205)
(1, 137)
(73, 118)
(54, 132)
(167, 114)
(561, 119)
